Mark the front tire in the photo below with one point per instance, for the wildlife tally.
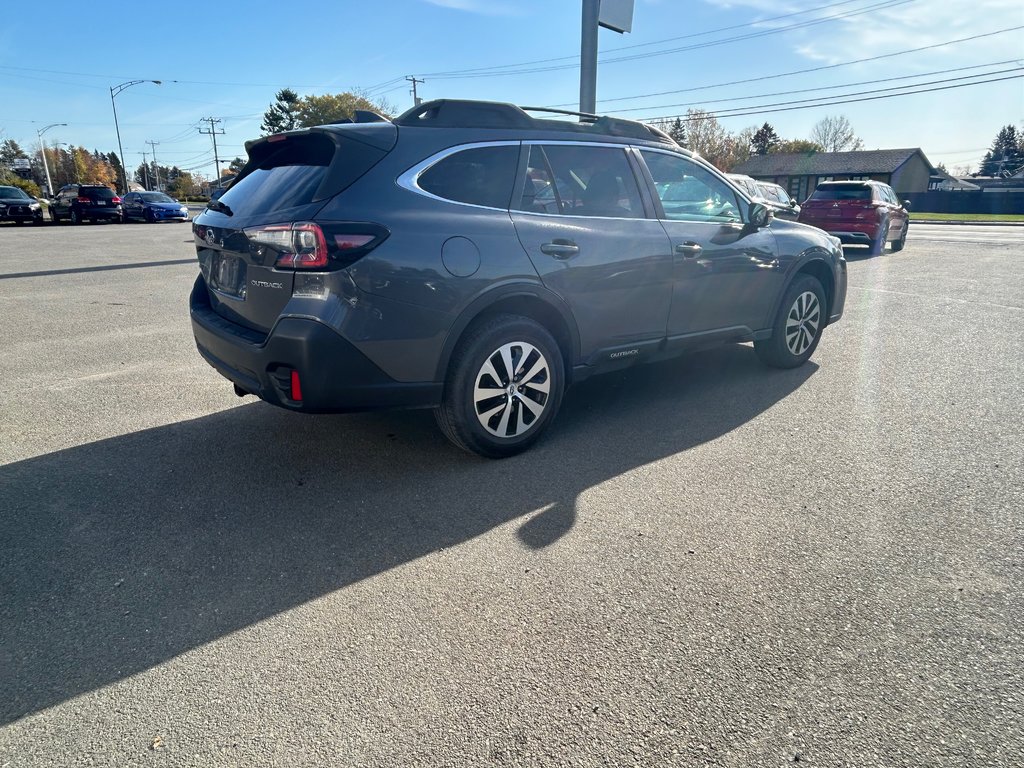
(74, 217)
(797, 327)
(504, 387)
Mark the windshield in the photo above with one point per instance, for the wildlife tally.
(156, 197)
(13, 193)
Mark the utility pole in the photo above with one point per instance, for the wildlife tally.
(416, 100)
(145, 169)
(213, 132)
(156, 166)
(42, 151)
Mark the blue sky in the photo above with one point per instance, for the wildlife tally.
(227, 59)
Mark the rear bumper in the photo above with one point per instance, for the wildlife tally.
(849, 233)
(100, 212)
(334, 375)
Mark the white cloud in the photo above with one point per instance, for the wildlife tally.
(485, 7)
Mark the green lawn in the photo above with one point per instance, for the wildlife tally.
(993, 217)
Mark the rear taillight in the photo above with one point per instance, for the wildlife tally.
(115, 200)
(294, 246)
(83, 200)
(305, 245)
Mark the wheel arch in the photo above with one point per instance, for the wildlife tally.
(527, 300)
(819, 268)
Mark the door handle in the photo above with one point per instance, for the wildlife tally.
(560, 249)
(688, 250)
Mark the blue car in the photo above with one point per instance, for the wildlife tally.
(152, 206)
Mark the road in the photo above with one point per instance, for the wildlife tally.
(706, 562)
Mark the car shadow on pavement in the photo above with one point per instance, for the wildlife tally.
(118, 555)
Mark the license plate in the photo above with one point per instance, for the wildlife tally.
(101, 202)
(227, 275)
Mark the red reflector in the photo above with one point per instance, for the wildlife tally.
(346, 242)
(296, 393)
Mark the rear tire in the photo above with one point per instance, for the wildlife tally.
(878, 246)
(504, 387)
(797, 327)
(899, 242)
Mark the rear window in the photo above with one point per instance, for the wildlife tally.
(842, 192)
(286, 175)
(479, 176)
(96, 193)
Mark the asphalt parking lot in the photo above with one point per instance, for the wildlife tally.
(705, 563)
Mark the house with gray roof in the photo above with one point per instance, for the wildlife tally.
(905, 170)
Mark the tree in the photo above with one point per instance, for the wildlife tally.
(796, 146)
(182, 185)
(707, 137)
(336, 107)
(236, 166)
(764, 139)
(283, 114)
(736, 149)
(10, 151)
(835, 134)
(1006, 155)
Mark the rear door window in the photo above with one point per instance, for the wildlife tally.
(98, 193)
(577, 180)
(478, 176)
(842, 192)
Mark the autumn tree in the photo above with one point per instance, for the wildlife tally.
(283, 114)
(765, 139)
(706, 136)
(337, 107)
(796, 146)
(236, 166)
(835, 134)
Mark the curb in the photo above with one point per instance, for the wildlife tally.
(968, 223)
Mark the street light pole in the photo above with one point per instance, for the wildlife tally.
(42, 151)
(113, 92)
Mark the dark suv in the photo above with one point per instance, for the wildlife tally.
(85, 202)
(474, 259)
(859, 213)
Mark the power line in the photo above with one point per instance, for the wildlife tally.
(575, 58)
(823, 68)
(845, 85)
(841, 100)
(490, 71)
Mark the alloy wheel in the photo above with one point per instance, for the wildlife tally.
(511, 389)
(802, 322)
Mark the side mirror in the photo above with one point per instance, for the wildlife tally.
(906, 204)
(759, 215)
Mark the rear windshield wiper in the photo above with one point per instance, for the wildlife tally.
(217, 205)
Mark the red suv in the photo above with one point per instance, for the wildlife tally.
(859, 213)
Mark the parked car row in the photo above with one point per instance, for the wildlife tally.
(78, 203)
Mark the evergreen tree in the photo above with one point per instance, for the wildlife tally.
(283, 114)
(678, 132)
(1006, 155)
(764, 140)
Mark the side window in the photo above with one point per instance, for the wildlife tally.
(689, 192)
(578, 180)
(479, 176)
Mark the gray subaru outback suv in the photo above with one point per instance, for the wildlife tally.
(471, 258)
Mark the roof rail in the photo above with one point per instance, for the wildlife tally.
(466, 113)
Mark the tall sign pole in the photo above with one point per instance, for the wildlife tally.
(588, 56)
(616, 15)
